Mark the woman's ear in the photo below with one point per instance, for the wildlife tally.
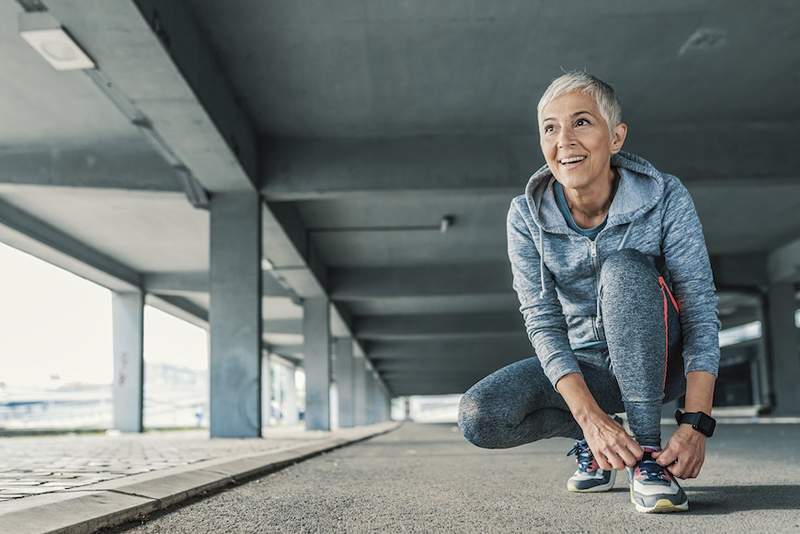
(618, 137)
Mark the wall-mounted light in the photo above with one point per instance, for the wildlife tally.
(45, 34)
(445, 223)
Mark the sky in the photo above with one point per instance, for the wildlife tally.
(56, 324)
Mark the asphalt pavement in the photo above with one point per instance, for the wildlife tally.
(426, 478)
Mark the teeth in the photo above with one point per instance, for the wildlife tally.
(573, 159)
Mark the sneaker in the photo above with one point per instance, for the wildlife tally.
(653, 488)
(588, 477)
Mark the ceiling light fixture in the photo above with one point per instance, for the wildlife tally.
(46, 35)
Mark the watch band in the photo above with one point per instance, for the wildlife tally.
(703, 423)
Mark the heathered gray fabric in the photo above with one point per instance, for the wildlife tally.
(517, 405)
(556, 271)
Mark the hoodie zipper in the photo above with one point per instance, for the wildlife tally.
(593, 252)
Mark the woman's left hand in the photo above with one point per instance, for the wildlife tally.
(684, 453)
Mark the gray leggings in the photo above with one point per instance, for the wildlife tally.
(517, 404)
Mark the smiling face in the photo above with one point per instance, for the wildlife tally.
(576, 141)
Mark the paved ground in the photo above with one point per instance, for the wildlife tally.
(50, 464)
(425, 478)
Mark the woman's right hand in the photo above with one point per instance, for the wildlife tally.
(612, 447)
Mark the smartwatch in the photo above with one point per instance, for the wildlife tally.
(701, 422)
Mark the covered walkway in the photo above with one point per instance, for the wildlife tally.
(426, 478)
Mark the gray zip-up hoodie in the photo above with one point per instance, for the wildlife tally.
(556, 270)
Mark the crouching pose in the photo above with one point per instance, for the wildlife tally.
(616, 291)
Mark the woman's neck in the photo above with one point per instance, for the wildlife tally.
(590, 205)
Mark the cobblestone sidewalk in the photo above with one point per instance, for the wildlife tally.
(38, 465)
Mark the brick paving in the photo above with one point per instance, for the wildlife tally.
(47, 464)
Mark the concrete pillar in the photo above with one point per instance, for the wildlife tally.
(266, 389)
(291, 415)
(343, 374)
(317, 363)
(371, 396)
(782, 339)
(235, 315)
(128, 390)
(360, 390)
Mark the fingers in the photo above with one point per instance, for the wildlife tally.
(666, 457)
(602, 462)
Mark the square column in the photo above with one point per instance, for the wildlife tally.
(291, 413)
(371, 396)
(343, 374)
(317, 362)
(266, 389)
(127, 311)
(782, 339)
(235, 315)
(360, 390)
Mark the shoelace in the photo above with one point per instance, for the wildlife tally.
(584, 455)
(652, 471)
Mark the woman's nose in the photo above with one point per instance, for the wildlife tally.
(566, 137)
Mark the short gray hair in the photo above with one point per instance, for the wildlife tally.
(603, 94)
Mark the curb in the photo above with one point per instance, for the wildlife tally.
(114, 502)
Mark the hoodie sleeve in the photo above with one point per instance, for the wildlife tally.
(686, 258)
(542, 312)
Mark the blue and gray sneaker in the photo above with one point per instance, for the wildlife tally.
(653, 488)
(588, 477)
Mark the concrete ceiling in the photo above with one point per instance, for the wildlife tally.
(364, 123)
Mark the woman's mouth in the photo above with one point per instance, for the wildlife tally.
(572, 161)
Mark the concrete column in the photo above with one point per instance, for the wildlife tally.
(317, 363)
(266, 389)
(128, 390)
(782, 339)
(291, 396)
(343, 374)
(360, 390)
(371, 396)
(235, 315)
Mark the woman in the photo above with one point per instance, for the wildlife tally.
(616, 291)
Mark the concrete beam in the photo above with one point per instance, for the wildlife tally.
(156, 65)
(710, 154)
(179, 307)
(29, 234)
(188, 282)
(783, 264)
(105, 166)
(506, 348)
(399, 327)
(423, 281)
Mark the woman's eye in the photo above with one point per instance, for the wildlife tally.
(579, 121)
(548, 129)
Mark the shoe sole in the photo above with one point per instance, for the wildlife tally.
(662, 506)
(596, 489)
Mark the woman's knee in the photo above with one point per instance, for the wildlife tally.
(624, 264)
(478, 421)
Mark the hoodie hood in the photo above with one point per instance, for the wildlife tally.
(640, 188)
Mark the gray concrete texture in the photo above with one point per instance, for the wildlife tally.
(426, 478)
(362, 125)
